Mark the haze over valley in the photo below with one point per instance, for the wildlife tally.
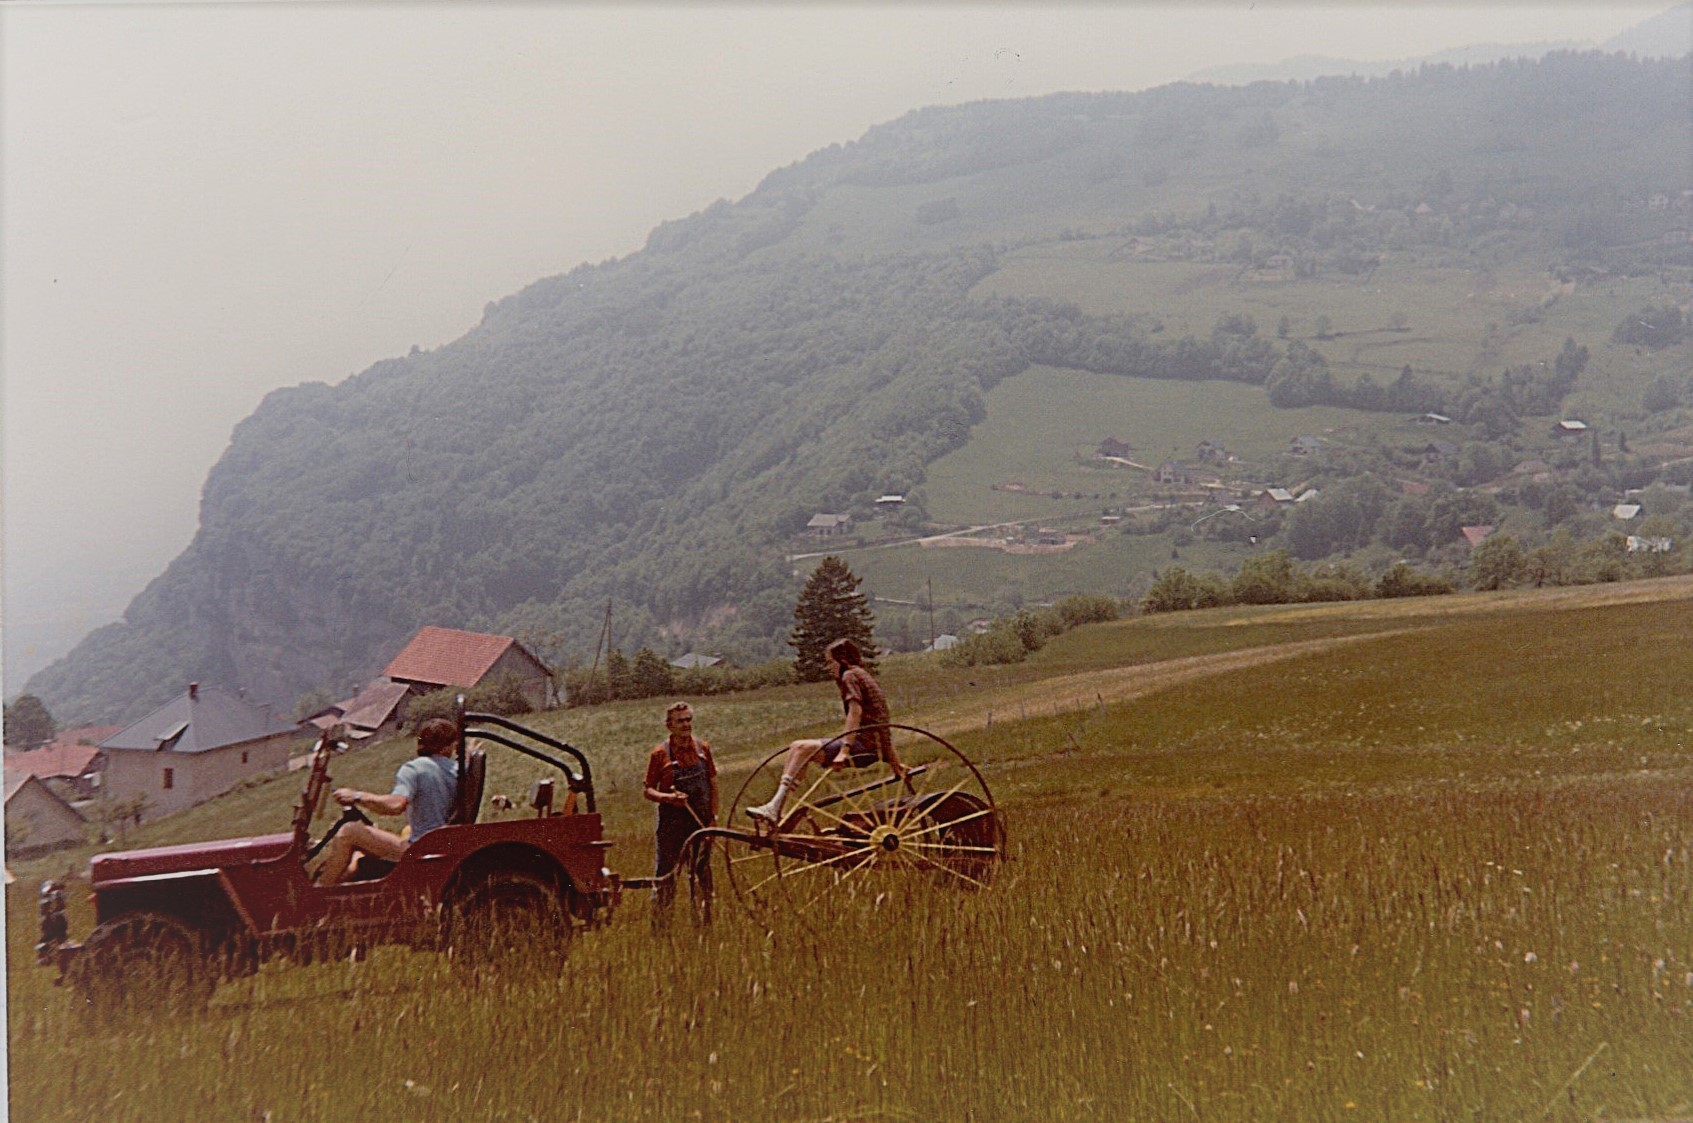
(959, 300)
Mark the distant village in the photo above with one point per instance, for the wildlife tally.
(1212, 477)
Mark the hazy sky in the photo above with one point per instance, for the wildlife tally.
(202, 202)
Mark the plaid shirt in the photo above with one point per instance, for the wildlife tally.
(856, 684)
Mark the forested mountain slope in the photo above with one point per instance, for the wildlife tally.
(654, 430)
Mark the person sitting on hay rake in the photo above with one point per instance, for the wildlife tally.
(864, 740)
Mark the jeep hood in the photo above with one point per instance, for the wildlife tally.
(187, 857)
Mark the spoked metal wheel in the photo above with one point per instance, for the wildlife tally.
(845, 830)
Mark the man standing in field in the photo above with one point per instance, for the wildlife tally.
(682, 780)
(424, 787)
(863, 740)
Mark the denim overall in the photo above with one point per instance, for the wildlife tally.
(675, 824)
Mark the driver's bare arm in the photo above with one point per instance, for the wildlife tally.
(391, 804)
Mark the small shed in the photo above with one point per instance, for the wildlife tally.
(1438, 452)
(825, 525)
(1475, 535)
(1569, 427)
(694, 661)
(1113, 449)
(1275, 498)
(1174, 472)
(1625, 511)
(375, 711)
(37, 820)
(946, 641)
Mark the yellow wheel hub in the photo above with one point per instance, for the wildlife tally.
(885, 842)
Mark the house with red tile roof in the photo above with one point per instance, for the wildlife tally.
(1475, 535)
(70, 764)
(437, 658)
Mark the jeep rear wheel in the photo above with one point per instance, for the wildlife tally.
(508, 917)
(142, 962)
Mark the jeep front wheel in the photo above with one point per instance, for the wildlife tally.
(142, 962)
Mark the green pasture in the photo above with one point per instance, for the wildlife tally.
(1395, 860)
(981, 577)
(1043, 426)
(1445, 318)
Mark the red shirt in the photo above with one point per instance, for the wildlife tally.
(661, 773)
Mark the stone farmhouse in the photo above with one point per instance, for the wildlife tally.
(198, 745)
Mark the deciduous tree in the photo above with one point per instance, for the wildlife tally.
(28, 723)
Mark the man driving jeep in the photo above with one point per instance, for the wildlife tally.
(424, 789)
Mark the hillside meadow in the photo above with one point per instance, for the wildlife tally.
(1393, 860)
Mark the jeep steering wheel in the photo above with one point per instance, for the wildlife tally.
(350, 813)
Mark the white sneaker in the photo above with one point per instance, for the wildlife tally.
(768, 812)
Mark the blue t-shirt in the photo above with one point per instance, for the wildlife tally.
(428, 783)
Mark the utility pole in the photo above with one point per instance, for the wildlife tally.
(931, 581)
(603, 641)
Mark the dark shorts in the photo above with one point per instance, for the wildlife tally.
(858, 755)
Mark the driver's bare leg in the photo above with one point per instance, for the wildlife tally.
(363, 837)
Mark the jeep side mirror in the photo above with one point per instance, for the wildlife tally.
(541, 797)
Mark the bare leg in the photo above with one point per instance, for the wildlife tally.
(800, 754)
(338, 855)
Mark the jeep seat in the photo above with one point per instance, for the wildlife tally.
(467, 801)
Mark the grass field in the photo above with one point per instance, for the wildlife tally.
(1398, 860)
(1459, 316)
(1043, 426)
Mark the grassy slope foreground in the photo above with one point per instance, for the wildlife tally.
(1398, 860)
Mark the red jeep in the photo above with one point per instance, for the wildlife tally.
(173, 920)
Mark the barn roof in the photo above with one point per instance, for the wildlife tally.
(59, 759)
(449, 657)
(198, 720)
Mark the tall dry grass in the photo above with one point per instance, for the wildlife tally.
(1446, 873)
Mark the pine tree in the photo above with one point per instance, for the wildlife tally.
(830, 607)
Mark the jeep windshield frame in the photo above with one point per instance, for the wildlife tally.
(493, 727)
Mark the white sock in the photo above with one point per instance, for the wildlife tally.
(774, 807)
